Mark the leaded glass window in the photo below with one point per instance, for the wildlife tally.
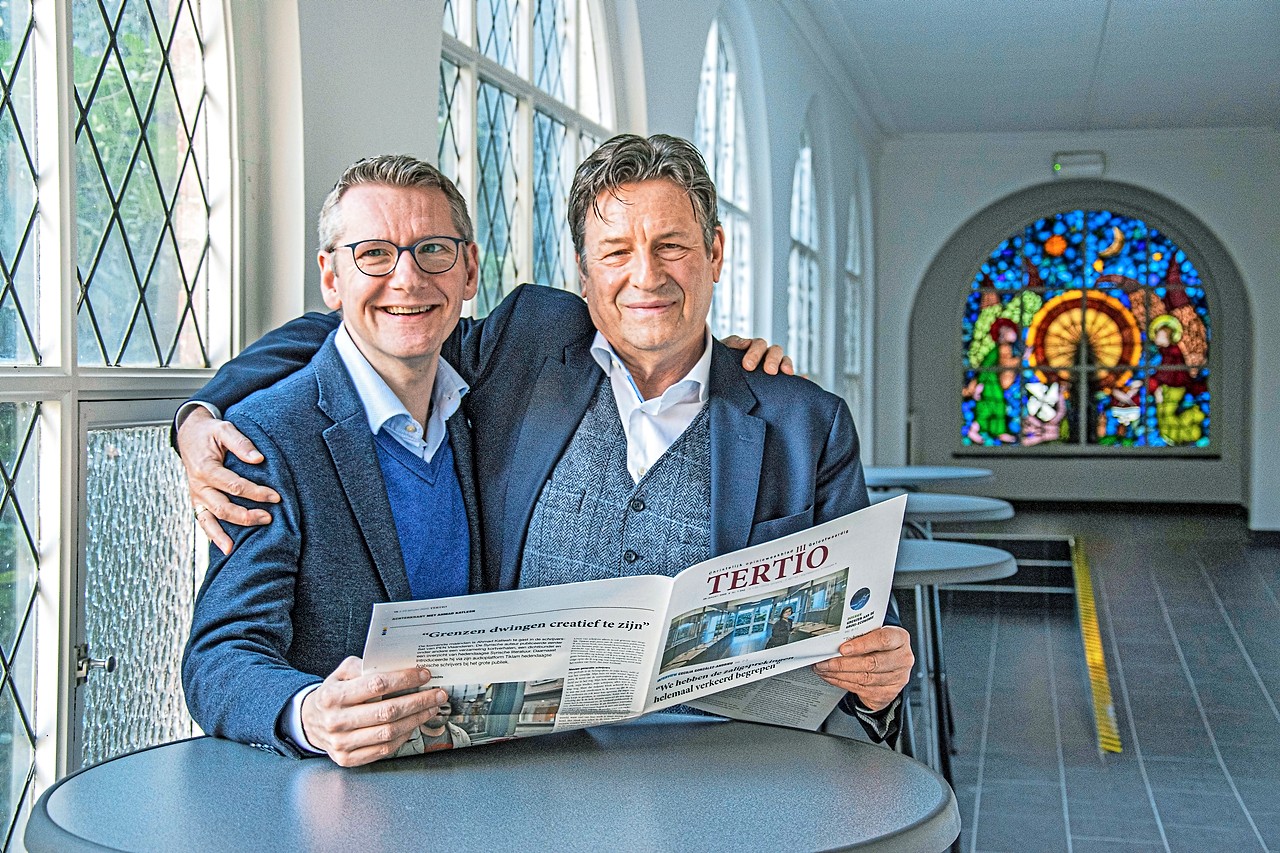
(1086, 328)
(720, 134)
(18, 234)
(523, 93)
(804, 285)
(142, 189)
(19, 568)
(118, 256)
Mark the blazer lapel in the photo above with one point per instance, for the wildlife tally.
(557, 402)
(464, 464)
(355, 458)
(737, 449)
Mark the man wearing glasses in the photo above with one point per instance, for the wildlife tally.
(370, 454)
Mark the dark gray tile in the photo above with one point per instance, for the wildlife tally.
(1198, 809)
(1021, 817)
(1129, 818)
(1268, 824)
(1035, 766)
(1142, 562)
(1202, 777)
(1195, 839)
(1114, 845)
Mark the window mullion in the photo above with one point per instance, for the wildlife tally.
(55, 184)
(56, 338)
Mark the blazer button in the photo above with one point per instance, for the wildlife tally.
(637, 505)
(630, 556)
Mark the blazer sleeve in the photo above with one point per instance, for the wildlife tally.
(840, 485)
(234, 670)
(277, 354)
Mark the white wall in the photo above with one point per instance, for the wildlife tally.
(929, 185)
(784, 82)
(350, 56)
(268, 128)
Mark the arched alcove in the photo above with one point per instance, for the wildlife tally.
(1215, 473)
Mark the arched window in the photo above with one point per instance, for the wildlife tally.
(524, 97)
(853, 308)
(720, 134)
(1086, 328)
(122, 263)
(804, 287)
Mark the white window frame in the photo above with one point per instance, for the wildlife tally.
(853, 313)
(476, 67)
(804, 267)
(62, 385)
(733, 308)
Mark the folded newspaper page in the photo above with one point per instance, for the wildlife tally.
(733, 635)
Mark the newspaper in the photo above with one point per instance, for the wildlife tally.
(734, 635)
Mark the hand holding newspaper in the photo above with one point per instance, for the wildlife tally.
(734, 635)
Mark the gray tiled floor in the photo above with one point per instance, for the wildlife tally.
(1190, 619)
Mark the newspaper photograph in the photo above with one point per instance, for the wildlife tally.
(734, 635)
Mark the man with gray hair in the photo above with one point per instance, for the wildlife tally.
(622, 439)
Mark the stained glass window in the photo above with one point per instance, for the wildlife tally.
(522, 94)
(720, 134)
(1086, 328)
(804, 287)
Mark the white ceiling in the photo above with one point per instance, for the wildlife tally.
(936, 66)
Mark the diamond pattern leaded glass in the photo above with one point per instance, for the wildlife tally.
(552, 246)
(139, 590)
(498, 32)
(451, 17)
(18, 249)
(450, 146)
(525, 146)
(141, 183)
(553, 50)
(19, 550)
(497, 193)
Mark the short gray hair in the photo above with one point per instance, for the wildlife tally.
(629, 159)
(392, 170)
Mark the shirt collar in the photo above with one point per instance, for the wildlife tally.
(381, 403)
(694, 386)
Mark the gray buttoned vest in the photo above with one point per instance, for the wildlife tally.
(591, 521)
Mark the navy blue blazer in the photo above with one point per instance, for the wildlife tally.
(784, 453)
(295, 597)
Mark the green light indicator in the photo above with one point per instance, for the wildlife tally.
(1057, 167)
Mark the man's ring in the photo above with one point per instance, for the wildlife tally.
(199, 509)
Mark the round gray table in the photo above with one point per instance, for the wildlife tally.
(922, 565)
(663, 782)
(912, 477)
(925, 508)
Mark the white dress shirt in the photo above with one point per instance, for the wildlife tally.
(653, 425)
(385, 411)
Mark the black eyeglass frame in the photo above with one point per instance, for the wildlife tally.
(458, 243)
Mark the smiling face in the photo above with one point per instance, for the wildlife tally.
(398, 321)
(648, 277)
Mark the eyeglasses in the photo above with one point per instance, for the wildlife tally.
(433, 255)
